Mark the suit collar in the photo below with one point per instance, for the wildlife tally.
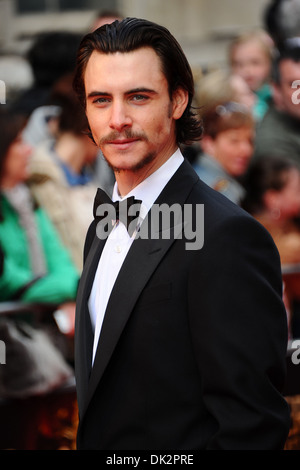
(83, 327)
(144, 255)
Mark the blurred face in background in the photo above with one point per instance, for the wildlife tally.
(289, 72)
(15, 167)
(251, 62)
(232, 148)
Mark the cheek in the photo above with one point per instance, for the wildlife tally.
(287, 92)
(157, 127)
(96, 131)
(262, 70)
(227, 151)
(9, 167)
(94, 120)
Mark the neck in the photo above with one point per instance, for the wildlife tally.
(127, 180)
(71, 151)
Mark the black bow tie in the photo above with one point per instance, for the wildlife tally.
(120, 210)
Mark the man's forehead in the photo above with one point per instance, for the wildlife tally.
(121, 67)
(126, 56)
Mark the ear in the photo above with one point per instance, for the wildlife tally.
(180, 102)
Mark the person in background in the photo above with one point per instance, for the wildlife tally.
(212, 89)
(227, 148)
(250, 56)
(273, 197)
(61, 176)
(279, 129)
(272, 186)
(282, 20)
(36, 267)
(51, 56)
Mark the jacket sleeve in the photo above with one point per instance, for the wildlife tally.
(14, 279)
(239, 330)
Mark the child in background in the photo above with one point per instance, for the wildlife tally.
(227, 146)
(250, 56)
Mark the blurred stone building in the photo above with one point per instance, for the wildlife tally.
(203, 27)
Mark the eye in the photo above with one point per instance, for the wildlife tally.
(139, 97)
(101, 100)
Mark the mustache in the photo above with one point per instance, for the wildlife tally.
(127, 133)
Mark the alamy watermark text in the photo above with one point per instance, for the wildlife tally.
(166, 222)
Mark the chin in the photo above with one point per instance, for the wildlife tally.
(121, 166)
(128, 165)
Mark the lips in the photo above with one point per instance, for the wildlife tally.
(122, 144)
(122, 141)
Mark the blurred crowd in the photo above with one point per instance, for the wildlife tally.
(49, 173)
(250, 150)
(50, 168)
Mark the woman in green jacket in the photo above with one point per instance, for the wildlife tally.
(36, 266)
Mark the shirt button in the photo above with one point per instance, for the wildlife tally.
(118, 249)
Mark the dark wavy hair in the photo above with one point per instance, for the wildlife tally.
(288, 49)
(131, 34)
(11, 124)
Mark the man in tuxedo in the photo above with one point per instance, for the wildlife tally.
(179, 343)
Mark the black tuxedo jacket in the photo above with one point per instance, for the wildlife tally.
(192, 348)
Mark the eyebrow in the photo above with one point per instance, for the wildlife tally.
(93, 94)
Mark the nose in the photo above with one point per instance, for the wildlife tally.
(120, 118)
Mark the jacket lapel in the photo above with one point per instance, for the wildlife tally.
(83, 328)
(142, 259)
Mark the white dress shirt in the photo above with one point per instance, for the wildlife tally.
(119, 241)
